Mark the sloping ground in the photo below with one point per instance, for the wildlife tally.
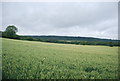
(38, 60)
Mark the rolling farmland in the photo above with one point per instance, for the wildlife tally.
(41, 60)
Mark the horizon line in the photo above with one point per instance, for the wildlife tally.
(73, 36)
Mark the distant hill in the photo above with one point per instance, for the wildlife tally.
(73, 38)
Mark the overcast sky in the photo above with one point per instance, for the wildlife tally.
(88, 19)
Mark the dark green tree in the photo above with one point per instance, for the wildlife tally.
(0, 33)
(111, 44)
(11, 31)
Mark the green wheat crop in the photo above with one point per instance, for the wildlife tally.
(40, 60)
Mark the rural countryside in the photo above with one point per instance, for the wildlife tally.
(59, 40)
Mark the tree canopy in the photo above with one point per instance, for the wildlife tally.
(10, 32)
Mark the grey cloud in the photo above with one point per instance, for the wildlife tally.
(97, 19)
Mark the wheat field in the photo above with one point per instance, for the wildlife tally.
(41, 60)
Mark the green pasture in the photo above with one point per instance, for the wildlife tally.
(41, 60)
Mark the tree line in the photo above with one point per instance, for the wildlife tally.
(10, 32)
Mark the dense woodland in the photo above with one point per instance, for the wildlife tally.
(11, 31)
